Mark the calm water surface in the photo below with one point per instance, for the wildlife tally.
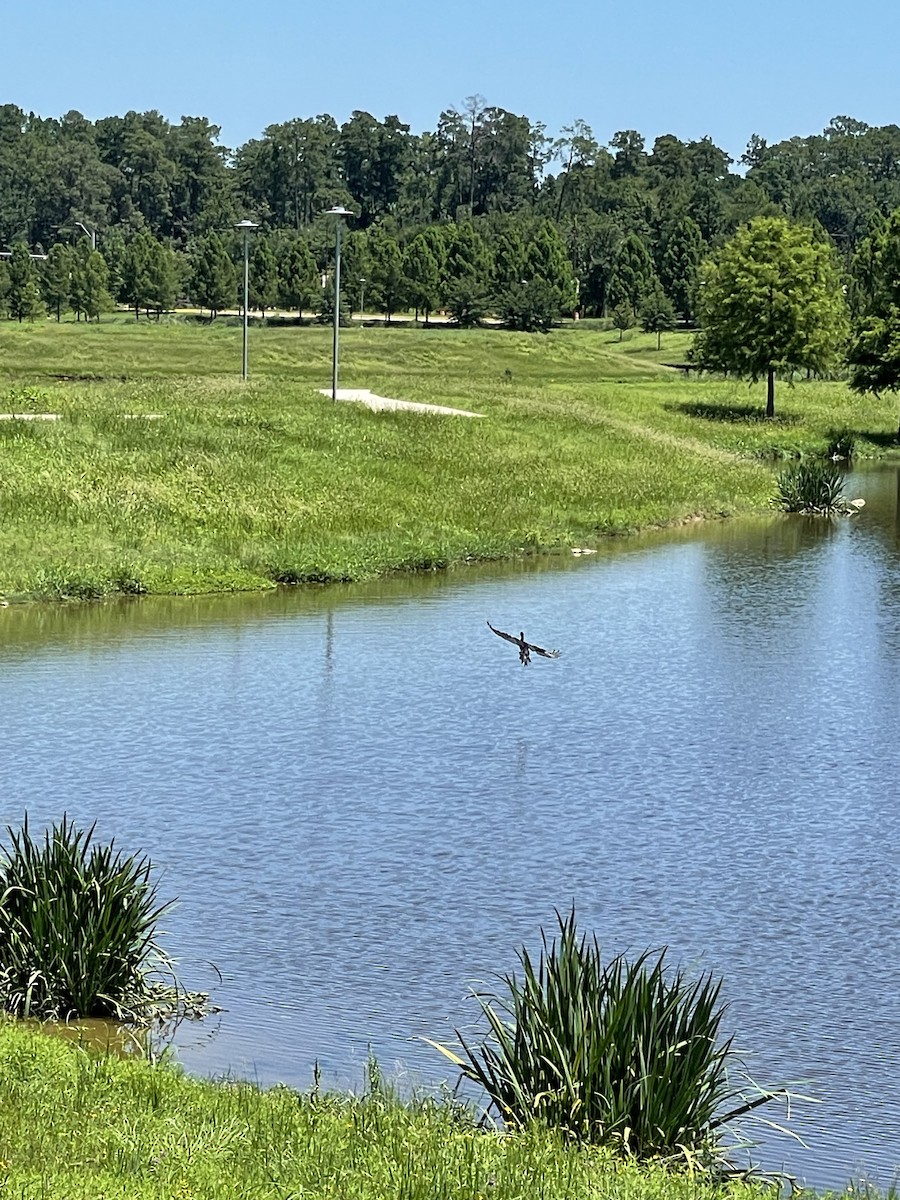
(365, 804)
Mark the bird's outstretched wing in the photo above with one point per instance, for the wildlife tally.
(543, 653)
(506, 636)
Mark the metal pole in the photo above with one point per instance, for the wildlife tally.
(337, 308)
(246, 296)
(362, 293)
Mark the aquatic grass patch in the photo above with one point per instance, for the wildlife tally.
(626, 1054)
(74, 1126)
(78, 928)
(813, 486)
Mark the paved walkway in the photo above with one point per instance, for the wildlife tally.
(381, 403)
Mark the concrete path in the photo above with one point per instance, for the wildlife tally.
(381, 403)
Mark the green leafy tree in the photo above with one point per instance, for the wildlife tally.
(623, 318)
(263, 283)
(299, 281)
(874, 355)
(56, 278)
(546, 261)
(657, 313)
(467, 274)
(164, 278)
(530, 306)
(212, 277)
(136, 269)
(423, 277)
(23, 297)
(90, 282)
(387, 281)
(770, 300)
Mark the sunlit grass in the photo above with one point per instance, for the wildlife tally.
(178, 478)
(76, 1127)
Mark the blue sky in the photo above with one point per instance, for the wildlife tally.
(691, 68)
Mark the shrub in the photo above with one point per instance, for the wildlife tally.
(625, 1055)
(77, 927)
(811, 486)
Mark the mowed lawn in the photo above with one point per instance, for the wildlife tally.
(166, 473)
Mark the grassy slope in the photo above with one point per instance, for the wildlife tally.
(75, 1127)
(242, 485)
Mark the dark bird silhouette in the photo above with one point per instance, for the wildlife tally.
(526, 649)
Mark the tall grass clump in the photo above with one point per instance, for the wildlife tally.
(78, 928)
(624, 1054)
(811, 486)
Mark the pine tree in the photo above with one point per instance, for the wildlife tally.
(633, 274)
(263, 282)
(23, 298)
(90, 280)
(299, 282)
(387, 281)
(213, 277)
(657, 313)
(422, 274)
(136, 272)
(56, 278)
(681, 258)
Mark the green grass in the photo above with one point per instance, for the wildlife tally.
(242, 486)
(79, 1127)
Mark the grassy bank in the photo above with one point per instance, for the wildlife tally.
(166, 474)
(81, 1127)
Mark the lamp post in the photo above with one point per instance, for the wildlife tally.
(362, 293)
(338, 212)
(90, 232)
(246, 228)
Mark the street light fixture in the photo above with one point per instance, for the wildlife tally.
(246, 228)
(90, 232)
(338, 212)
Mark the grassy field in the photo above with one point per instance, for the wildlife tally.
(75, 1126)
(166, 474)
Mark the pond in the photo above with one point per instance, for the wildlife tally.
(365, 804)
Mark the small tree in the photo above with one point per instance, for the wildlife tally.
(24, 295)
(213, 276)
(422, 274)
(90, 279)
(657, 313)
(263, 282)
(56, 278)
(623, 318)
(770, 300)
(387, 281)
(299, 283)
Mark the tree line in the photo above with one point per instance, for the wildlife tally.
(487, 212)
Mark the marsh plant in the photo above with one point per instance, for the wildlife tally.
(78, 924)
(625, 1054)
(812, 486)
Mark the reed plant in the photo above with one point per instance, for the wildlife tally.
(624, 1054)
(78, 928)
(814, 486)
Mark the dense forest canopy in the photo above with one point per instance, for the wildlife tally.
(485, 210)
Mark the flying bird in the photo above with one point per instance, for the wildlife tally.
(526, 649)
